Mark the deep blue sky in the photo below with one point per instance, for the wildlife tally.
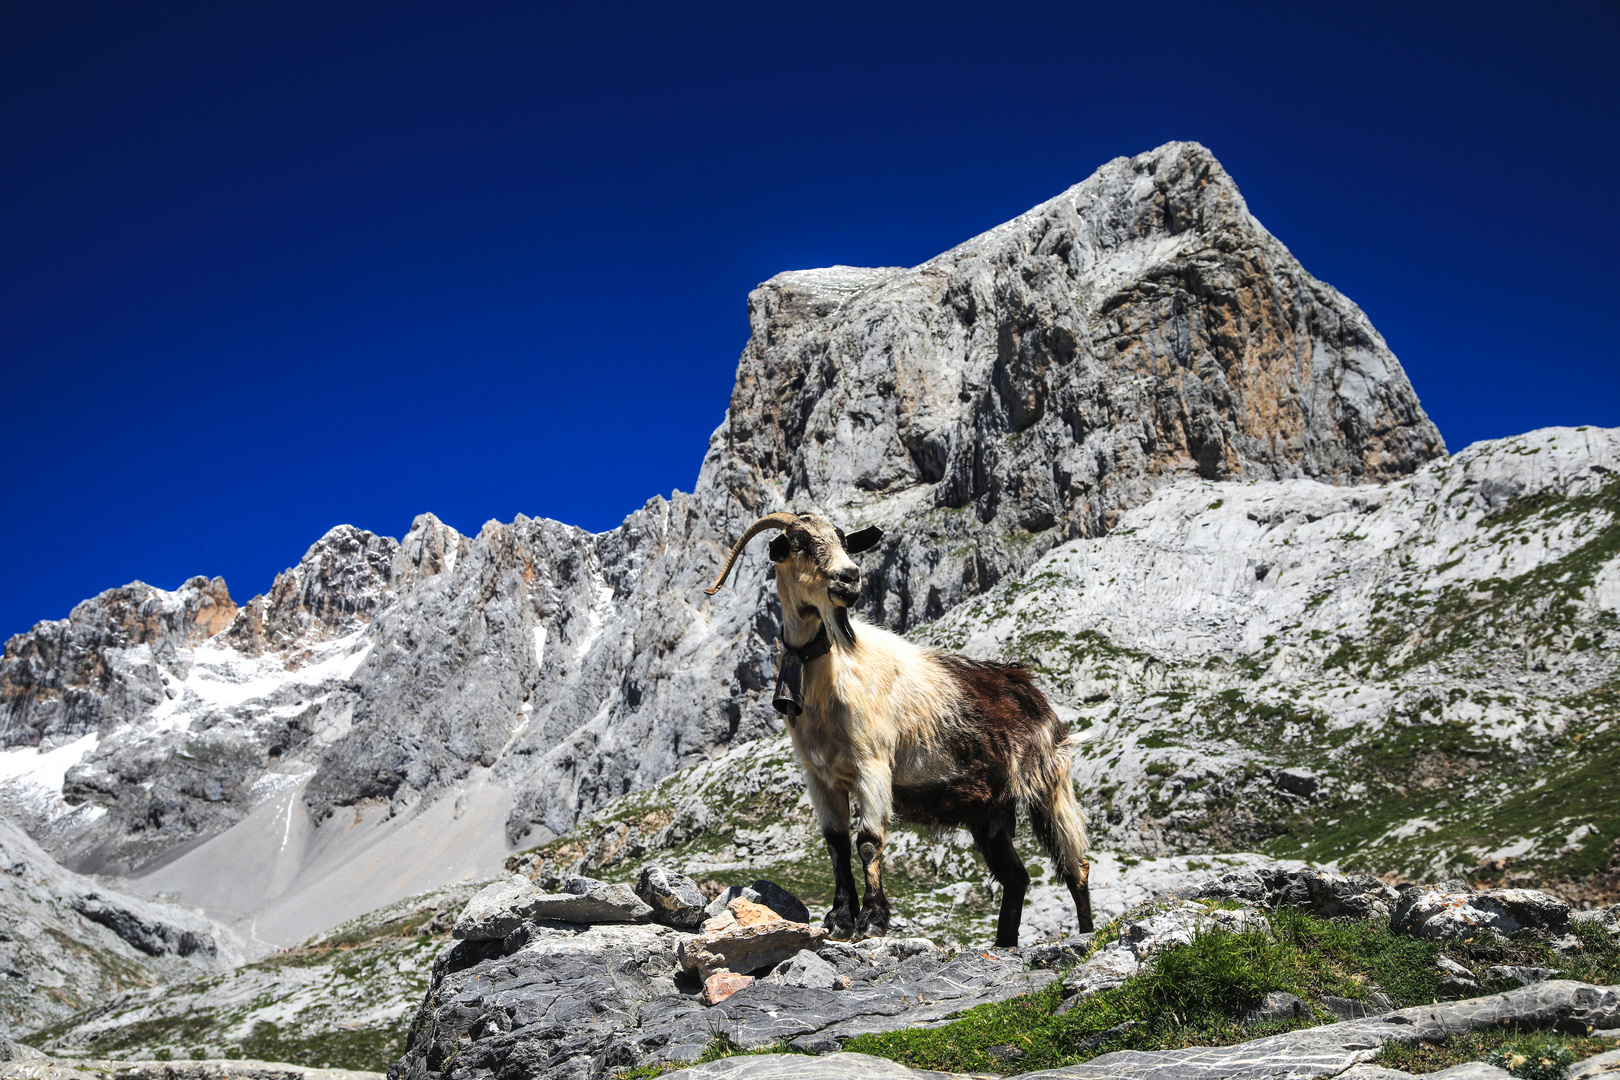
(269, 267)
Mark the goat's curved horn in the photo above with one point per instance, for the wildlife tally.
(779, 520)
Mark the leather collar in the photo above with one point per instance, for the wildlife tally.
(818, 646)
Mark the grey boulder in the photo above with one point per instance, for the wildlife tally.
(15, 1051)
(674, 898)
(496, 910)
(1322, 893)
(1448, 910)
(1606, 1066)
(810, 971)
(500, 909)
(1278, 1005)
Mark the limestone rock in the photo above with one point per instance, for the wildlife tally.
(1355, 1008)
(586, 900)
(1523, 976)
(872, 959)
(1471, 1070)
(496, 910)
(674, 898)
(1606, 1065)
(573, 1002)
(16, 1051)
(1277, 1005)
(1327, 895)
(810, 971)
(1440, 912)
(68, 942)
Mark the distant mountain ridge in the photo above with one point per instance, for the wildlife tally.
(1019, 391)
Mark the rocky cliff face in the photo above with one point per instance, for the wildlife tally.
(1016, 392)
(1024, 388)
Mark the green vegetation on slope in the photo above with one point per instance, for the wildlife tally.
(1195, 995)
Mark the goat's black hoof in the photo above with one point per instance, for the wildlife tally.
(873, 922)
(840, 924)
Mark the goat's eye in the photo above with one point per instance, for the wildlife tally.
(840, 533)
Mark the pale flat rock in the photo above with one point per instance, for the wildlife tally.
(1605, 1065)
(810, 971)
(1471, 1070)
(1373, 1072)
(1326, 1051)
(229, 1069)
(586, 900)
(502, 908)
(842, 1066)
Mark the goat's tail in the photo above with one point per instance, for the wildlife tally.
(1059, 823)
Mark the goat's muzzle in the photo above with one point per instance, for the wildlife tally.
(845, 587)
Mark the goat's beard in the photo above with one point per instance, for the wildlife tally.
(842, 627)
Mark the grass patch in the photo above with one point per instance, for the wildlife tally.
(1190, 996)
(1500, 1047)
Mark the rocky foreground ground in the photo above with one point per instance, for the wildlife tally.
(532, 988)
(596, 979)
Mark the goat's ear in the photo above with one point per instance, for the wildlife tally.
(779, 547)
(857, 542)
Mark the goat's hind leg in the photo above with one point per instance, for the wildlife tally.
(995, 843)
(832, 808)
(1068, 857)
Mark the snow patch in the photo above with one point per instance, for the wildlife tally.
(44, 768)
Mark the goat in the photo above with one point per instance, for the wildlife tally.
(940, 739)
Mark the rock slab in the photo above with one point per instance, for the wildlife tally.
(674, 898)
(1440, 912)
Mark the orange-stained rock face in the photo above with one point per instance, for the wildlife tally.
(746, 937)
(721, 985)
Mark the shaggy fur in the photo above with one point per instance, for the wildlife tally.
(934, 738)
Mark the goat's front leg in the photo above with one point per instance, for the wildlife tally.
(876, 794)
(832, 809)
